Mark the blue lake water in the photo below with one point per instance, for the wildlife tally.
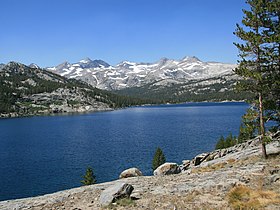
(40, 155)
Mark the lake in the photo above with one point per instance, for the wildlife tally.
(40, 155)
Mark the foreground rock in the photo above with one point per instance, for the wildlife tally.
(131, 172)
(115, 192)
(203, 158)
(167, 169)
(200, 158)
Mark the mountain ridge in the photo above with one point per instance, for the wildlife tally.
(166, 80)
(174, 81)
(127, 74)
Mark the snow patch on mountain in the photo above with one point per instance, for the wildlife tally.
(131, 74)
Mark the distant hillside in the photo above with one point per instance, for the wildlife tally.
(26, 91)
(220, 88)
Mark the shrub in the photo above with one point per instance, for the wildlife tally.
(159, 159)
(225, 143)
(221, 143)
(88, 178)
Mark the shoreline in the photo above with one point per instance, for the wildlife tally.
(113, 109)
(227, 171)
(57, 114)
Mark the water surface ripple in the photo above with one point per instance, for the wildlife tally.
(45, 154)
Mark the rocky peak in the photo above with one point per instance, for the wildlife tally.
(85, 60)
(14, 67)
(125, 64)
(102, 63)
(63, 65)
(163, 61)
(191, 59)
(33, 65)
(88, 63)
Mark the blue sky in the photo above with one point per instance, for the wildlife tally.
(48, 32)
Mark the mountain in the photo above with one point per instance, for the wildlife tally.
(75, 69)
(130, 74)
(26, 91)
(168, 80)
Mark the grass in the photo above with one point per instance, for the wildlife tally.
(214, 167)
(124, 202)
(243, 197)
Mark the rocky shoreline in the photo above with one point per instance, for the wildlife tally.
(81, 110)
(66, 109)
(60, 101)
(198, 186)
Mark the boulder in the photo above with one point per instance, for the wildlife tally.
(223, 152)
(186, 165)
(275, 136)
(115, 192)
(167, 169)
(275, 178)
(211, 156)
(200, 158)
(218, 155)
(131, 172)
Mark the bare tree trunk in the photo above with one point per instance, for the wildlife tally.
(262, 131)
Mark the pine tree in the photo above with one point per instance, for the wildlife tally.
(259, 64)
(159, 159)
(88, 178)
(221, 143)
(229, 141)
(272, 37)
